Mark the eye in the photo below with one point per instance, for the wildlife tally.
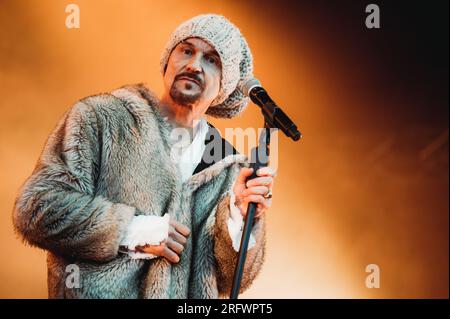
(212, 60)
(187, 51)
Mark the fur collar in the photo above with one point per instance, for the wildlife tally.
(136, 95)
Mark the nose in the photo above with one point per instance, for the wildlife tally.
(194, 65)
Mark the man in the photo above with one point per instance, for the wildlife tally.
(140, 214)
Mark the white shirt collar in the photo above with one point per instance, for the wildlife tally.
(189, 156)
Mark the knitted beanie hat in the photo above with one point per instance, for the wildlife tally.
(234, 53)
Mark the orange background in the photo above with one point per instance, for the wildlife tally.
(367, 184)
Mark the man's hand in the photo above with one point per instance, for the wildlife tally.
(173, 246)
(254, 190)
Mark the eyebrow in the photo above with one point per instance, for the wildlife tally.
(212, 51)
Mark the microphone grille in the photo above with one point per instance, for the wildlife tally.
(248, 85)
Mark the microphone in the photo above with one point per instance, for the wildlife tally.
(272, 113)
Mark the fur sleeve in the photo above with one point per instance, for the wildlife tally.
(57, 209)
(226, 256)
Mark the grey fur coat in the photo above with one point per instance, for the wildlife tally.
(106, 161)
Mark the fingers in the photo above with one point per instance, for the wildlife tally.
(265, 204)
(262, 205)
(244, 173)
(260, 181)
(258, 199)
(152, 249)
(256, 190)
(170, 255)
(173, 245)
(263, 171)
(182, 229)
(266, 171)
(166, 249)
(177, 236)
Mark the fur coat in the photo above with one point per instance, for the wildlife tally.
(106, 161)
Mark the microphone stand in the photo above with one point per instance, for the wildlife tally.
(259, 158)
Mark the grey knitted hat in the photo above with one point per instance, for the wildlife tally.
(235, 55)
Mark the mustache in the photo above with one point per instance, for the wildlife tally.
(192, 76)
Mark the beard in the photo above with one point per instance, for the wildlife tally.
(185, 93)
